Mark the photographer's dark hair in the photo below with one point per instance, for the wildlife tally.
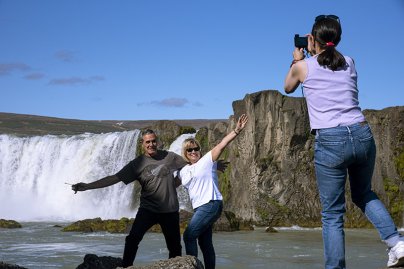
(327, 32)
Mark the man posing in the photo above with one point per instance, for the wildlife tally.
(158, 200)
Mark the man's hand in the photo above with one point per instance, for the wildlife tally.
(101, 183)
(79, 187)
(222, 165)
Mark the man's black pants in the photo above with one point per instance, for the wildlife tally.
(145, 219)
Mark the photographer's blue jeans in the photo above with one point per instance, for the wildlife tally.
(340, 151)
(200, 228)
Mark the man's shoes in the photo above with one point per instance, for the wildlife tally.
(396, 255)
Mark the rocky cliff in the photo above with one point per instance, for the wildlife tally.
(271, 178)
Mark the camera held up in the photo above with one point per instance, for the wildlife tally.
(301, 41)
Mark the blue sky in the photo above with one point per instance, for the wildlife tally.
(179, 59)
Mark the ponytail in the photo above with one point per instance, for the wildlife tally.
(331, 58)
(327, 33)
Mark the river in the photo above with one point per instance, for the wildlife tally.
(41, 245)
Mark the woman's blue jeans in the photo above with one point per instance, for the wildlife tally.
(340, 151)
(200, 227)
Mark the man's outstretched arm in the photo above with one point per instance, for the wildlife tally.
(101, 183)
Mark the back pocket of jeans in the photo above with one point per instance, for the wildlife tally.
(367, 145)
(330, 154)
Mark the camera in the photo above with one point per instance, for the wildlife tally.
(301, 41)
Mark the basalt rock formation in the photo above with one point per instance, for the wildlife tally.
(271, 179)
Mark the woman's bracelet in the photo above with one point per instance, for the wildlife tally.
(237, 133)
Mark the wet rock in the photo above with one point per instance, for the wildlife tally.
(122, 225)
(185, 262)
(10, 266)
(9, 224)
(92, 261)
(270, 230)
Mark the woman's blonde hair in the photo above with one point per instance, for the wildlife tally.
(189, 143)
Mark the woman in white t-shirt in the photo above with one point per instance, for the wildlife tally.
(199, 177)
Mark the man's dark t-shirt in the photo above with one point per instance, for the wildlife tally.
(156, 178)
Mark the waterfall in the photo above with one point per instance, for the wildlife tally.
(183, 197)
(34, 172)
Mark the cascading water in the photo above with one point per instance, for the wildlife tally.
(183, 196)
(34, 172)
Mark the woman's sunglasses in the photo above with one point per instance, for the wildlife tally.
(192, 149)
(322, 17)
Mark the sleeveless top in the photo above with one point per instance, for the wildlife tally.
(331, 96)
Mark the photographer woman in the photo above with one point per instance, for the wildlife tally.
(344, 143)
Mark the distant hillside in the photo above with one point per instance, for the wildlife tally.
(30, 125)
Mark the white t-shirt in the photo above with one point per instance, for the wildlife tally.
(201, 181)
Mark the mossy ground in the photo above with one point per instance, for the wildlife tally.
(9, 224)
(98, 225)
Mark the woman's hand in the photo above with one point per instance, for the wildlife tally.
(218, 149)
(298, 54)
(242, 121)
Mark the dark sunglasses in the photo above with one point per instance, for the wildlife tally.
(322, 17)
(192, 149)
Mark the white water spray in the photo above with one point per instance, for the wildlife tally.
(34, 170)
(183, 197)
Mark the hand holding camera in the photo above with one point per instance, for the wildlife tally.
(301, 44)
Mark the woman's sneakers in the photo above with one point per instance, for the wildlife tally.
(396, 255)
